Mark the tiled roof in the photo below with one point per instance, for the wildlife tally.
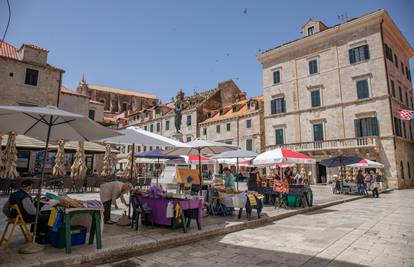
(7, 50)
(119, 91)
(244, 110)
(66, 90)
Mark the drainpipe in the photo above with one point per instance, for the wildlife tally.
(59, 89)
(238, 131)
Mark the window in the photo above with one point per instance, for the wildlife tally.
(276, 77)
(278, 105)
(204, 131)
(396, 61)
(91, 114)
(228, 126)
(397, 127)
(402, 169)
(406, 99)
(221, 112)
(150, 148)
(401, 95)
(313, 66)
(280, 139)
(406, 73)
(151, 128)
(31, 77)
(366, 127)
(316, 98)
(188, 120)
(409, 75)
(188, 138)
(404, 128)
(249, 123)
(157, 111)
(362, 89)
(145, 127)
(139, 149)
(393, 88)
(146, 114)
(249, 145)
(209, 115)
(167, 125)
(158, 126)
(409, 170)
(145, 148)
(318, 132)
(388, 53)
(402, 68)
(234, 109)
(217, 128)
(358, 54)
(311, 31)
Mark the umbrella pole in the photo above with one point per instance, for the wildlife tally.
(237, 172)
(158, 170)
(39, 192)
(132, 161)
(199, 169)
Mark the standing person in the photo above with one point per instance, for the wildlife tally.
(298, 178)
(368, 181)
(374, 184)
(254, 177)
(360, 183)
(109, 193)
(229, 181)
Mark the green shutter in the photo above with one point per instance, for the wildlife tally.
(366, 52)
(351, 56)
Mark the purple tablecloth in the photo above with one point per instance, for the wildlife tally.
(159, 207)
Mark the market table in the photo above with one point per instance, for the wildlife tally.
(188, 209)
(95, 213)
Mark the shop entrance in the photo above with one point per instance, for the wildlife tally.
(321, 173)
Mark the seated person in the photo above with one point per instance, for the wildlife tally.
(28, 210)
(229, 180)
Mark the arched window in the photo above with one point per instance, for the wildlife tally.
(409, 170)
(402, 169)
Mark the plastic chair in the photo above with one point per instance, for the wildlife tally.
(90, 183)
(18, 221)
(138, 209)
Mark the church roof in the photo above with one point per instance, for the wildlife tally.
(108, 89)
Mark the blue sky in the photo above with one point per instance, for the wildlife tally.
(161, 46)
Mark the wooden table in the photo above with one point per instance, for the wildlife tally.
(95, 228)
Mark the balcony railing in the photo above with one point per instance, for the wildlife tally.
(362, 142)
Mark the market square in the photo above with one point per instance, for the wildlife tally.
(244, 151)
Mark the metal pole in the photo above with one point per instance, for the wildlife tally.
(158, 170)
(132, 161)
(39, 192)
(237, 173)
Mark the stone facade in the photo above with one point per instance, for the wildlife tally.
(240, 124)
(116, 100)
(26, 78)
(321, 62)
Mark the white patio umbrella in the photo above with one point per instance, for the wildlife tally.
(366, 163)
(135, 135)
(236, 155)
(59, 167)
(9, 158)
(201, 147)
(49, 123)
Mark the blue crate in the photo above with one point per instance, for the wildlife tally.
(77, 232)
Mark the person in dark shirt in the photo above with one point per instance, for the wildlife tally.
(254, 177)
(27, 208)
(360, 182)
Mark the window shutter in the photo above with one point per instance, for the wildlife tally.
(351, 56)
(283, 105)
(366, 52)
(357, 126)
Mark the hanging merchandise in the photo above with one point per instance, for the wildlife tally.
(9, 158)
(78, 169)
(107, 162)
(59, 167)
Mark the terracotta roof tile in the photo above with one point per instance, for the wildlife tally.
(119, 91)
(7, 50)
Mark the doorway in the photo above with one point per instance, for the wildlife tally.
(321, 173)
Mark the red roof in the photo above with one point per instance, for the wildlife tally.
(7, 50)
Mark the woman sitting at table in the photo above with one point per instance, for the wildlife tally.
(229, 181)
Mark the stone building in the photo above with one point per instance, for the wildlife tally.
(116, 100)
(338, 90)
(26, 78)
(240, 124)
(195, 109)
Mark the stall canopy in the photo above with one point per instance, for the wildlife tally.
(366, 163)
(49, 123)
(280, 155)
(196, 159)
(340, 161)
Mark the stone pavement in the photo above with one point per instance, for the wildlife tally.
(123, 242)
(367, 232)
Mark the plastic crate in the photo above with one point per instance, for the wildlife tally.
(293, 201)
(77, 233)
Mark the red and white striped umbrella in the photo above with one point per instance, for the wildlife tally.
(195, 159)
(280, 155)
(366, 163)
